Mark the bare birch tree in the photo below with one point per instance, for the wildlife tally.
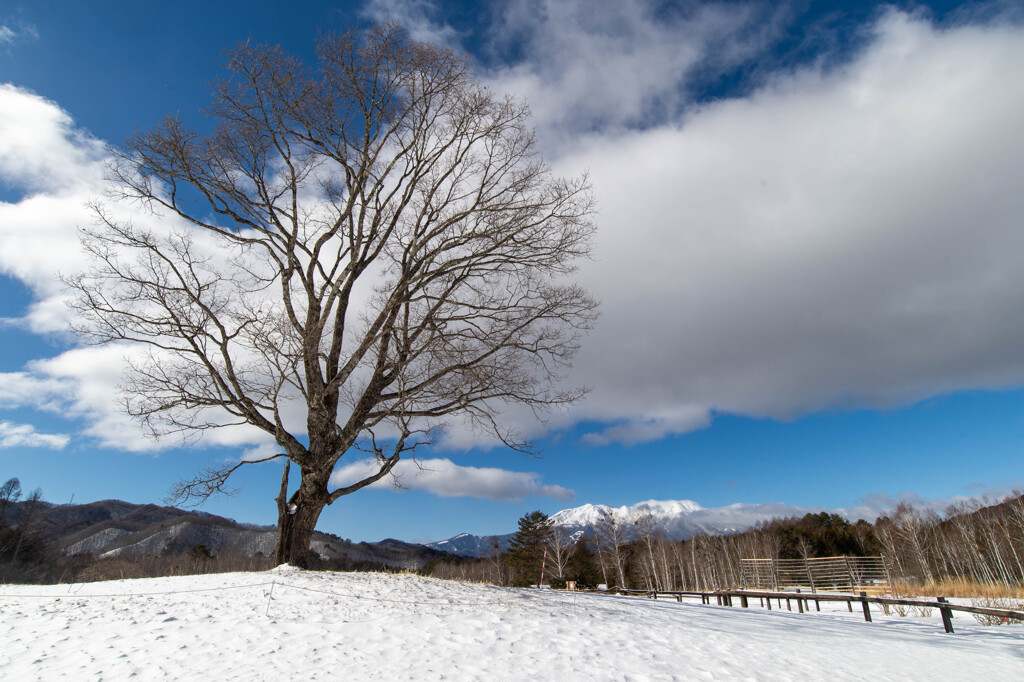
(560, 551)
(614, 537)
(373, 238)
(646, 530)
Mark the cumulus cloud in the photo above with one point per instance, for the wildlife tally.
(837, 239)
(48, 153)
(846, 235)
(86, 383)
(29, 389)
(26, 436)
(59, 168)
(443, 477)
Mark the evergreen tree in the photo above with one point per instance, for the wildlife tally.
(583, 568)
(526, 549)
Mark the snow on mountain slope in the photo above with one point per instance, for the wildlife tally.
(677, 519)
(296, 625)
(664, 512)
(472, 545)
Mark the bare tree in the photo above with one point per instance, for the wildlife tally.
(373, 239)
(561, 549)
(614, 537)
(913, 526)
(26, 520)
(10, 493)
(646, 529)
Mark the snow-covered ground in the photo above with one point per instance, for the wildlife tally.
(405, 627)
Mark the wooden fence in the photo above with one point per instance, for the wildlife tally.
(803, 600)
(838, 573)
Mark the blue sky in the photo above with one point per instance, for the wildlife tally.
(809, 252)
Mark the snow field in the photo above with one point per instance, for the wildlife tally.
(403, 627)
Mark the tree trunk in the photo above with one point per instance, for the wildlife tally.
(298, 532)
(283, 518)
(297, 519)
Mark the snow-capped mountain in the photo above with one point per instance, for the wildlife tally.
(589, 515)
(676, 519)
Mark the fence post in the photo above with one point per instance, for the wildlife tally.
(743, 600)
(947, 615)
(864, 603)
(799, 601)
(270, 597)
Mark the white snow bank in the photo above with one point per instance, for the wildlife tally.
(288, 624)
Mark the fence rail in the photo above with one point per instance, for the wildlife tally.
(839, 573)
(803, 600)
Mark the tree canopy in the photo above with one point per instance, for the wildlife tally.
(359, 254)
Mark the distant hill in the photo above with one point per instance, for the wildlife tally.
(675, 519)
(473, 545)
(114, 528)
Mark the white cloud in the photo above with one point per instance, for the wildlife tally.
(419, 17)
(13, 34)
(845, 236)
(47, 153)
(603, 66)
(624, 63)
(27, 389)
(60, 169)
(87, 383)
(445, 478)
(25, 436)
(875, 505)
(836, 240)
(652, 427)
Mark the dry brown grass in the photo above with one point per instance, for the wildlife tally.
(160, 566)
(964, 589)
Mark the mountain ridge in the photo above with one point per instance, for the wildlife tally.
(115, 528)
(675, 519)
